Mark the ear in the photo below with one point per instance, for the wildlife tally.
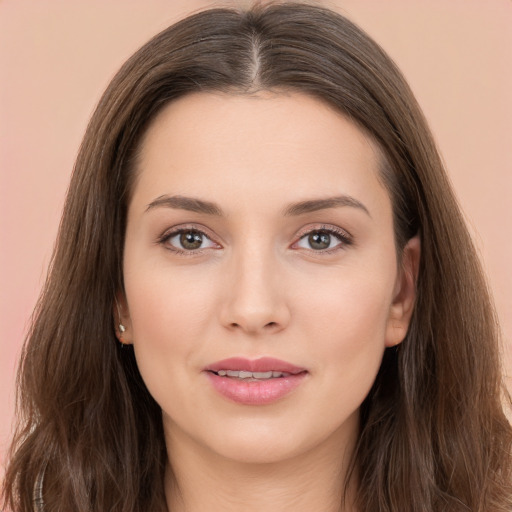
(404, 294)
(122, 322)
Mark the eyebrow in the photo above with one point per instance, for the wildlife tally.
(196, 205)
(190, 204)
(315, 205)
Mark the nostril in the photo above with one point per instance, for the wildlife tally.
(269, 325)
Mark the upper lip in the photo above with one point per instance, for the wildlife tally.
(263, 364)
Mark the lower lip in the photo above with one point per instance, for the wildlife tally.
(255, 392)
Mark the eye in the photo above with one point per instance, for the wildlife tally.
(187, 240)
(324, 239)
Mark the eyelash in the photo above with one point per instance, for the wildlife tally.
(343, 236)
(186, 229)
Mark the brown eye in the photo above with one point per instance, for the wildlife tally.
(324, 240)
(319, 240)
(188, 240)
(191, 240)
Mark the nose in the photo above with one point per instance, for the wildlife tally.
(255, 300)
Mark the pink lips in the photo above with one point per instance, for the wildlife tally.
(255, 392)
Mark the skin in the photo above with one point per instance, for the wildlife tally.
(257, 287)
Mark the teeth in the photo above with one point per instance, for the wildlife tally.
(242, 374)
(262, 375)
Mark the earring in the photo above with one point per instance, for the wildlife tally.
(122, 329)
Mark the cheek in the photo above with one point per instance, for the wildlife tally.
(349, 304)
(346, 327)
(162, 303)
(168, 313)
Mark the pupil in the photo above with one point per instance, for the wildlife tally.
(191, 240)
(319, 240)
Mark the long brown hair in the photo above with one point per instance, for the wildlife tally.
(434, 436)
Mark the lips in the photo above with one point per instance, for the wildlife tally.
(254, 382)
(264, 364)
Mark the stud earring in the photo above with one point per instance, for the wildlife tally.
(122, 329)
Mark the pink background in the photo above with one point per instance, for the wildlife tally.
(57, 56)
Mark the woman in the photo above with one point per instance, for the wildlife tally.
(263, 292)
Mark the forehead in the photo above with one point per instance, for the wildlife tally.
(269, 145)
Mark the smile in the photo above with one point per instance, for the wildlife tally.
(254, 382)
(242, 374)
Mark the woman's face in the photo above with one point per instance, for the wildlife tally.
(259, 230)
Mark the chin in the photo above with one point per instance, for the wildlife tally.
(270, 443)
(260, 450)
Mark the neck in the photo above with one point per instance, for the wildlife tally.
(198, 480)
